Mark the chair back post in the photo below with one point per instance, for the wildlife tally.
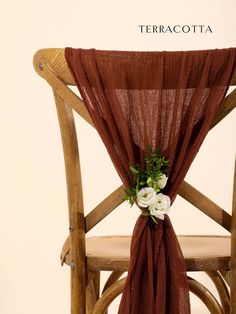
(43, 61)
(233, 250)
(75, 203)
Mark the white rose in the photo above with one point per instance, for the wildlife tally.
(160, 206)
(146, 196)
(162, 181)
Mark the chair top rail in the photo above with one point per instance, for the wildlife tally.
(55, 58)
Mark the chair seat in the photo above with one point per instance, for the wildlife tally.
(200, 252)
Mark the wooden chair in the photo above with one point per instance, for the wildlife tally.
(215, 255)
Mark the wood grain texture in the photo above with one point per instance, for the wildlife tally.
(75, 204)
(114, 276)
(233, 249)
(201, 253)
(226, 275)
(208, 207)
(104, 208)
(108, 296)
(205, 295)
(222, 290)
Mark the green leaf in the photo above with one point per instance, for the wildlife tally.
(153, 219)
(134, 170)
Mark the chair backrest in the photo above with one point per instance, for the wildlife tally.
(51, 65)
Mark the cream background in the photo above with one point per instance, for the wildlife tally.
(34, 221)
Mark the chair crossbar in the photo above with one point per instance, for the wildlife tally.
(104, 208)
(207, 206)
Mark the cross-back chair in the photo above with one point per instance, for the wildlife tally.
(214, 255)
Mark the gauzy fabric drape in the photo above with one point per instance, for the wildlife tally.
(164, 100)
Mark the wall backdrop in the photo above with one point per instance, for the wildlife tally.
(34, 216)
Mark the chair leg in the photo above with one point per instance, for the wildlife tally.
(233, 293)
(205, 296)
(78, 300)
(96, 282)
(226, 275)
(90, 297)
(222, 290)
(108, 296)
(114, 276)
(92, 290)
(195, 287)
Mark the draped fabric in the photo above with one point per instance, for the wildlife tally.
(164, 100)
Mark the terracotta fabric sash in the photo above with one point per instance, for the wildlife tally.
(164, 100)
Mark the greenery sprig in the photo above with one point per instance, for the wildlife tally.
(152, 176)
(156, 166)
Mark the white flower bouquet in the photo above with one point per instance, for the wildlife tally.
(148, 183)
